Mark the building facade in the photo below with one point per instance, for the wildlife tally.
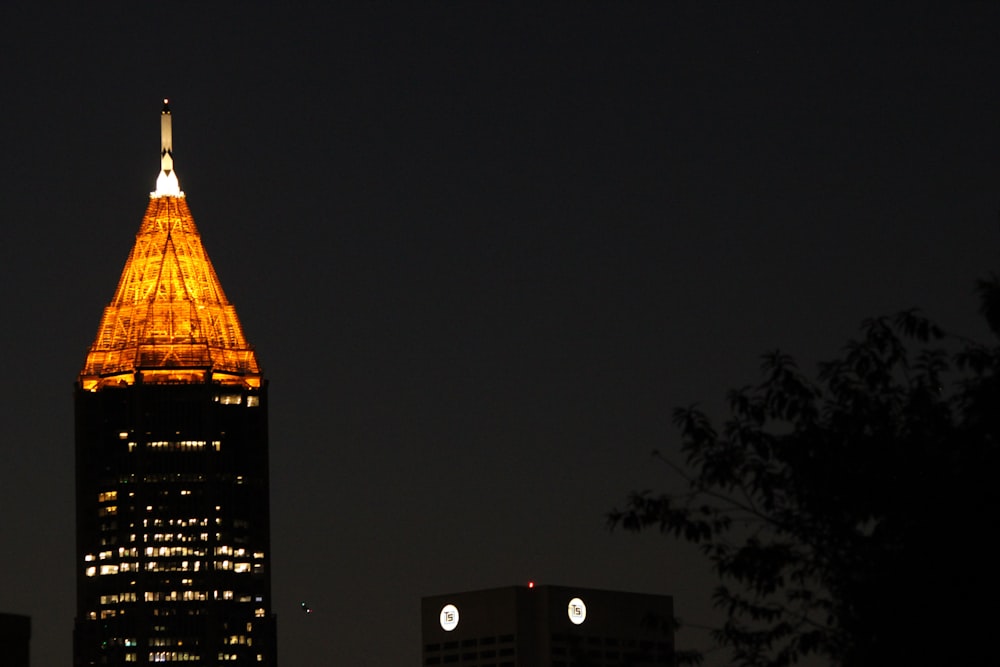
(172, 494)
(547, 626)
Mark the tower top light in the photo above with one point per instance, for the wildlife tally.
(166, 183)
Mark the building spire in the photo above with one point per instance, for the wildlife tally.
(169, 320)
(166, 182)
(166, 140)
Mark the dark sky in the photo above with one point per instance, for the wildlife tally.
(483, 250)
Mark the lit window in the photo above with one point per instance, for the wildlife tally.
(253, 401)
(259, 612)
(91, 571)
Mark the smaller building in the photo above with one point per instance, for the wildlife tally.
(547, 626)
(15, 640)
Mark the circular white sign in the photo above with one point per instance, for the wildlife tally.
(449, 617)
(577, 611)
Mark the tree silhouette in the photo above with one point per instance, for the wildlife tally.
(849, 518)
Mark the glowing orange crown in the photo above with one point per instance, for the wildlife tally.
(169, 319)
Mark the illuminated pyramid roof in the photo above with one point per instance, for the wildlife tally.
(169, 320)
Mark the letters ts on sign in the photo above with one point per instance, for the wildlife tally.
(577, 611)
(449, 617)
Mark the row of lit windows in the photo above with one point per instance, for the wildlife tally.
(168, 641)
(183, 523)
(167, 552)
(186, 551)
(235, 551)
(258, 612)
(107, 496)
(226, 657)
(239, 567)
(237, 399)
(174, 596)
(173, 656)
(175, 551)
(106, 555)
(165, 641)
(166, 477)
(127, 641)
(178, 537)
(177, 445)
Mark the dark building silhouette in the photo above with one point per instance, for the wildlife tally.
(15, 640)
(547, 626)
(172, 501)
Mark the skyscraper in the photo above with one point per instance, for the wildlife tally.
(172, 508)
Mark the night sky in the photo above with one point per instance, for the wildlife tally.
(482, 250)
